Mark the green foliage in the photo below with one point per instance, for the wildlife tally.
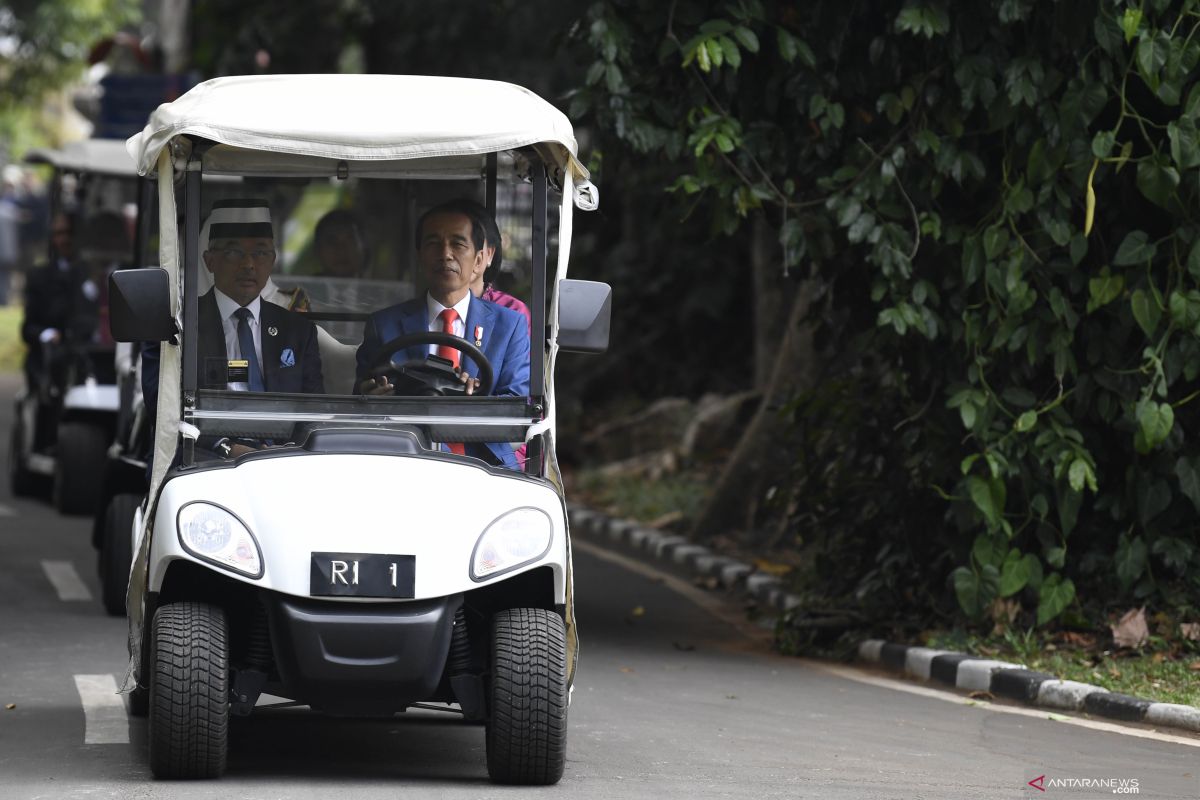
(1008, 198)
(46, 42)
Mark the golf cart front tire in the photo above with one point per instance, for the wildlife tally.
(189, 691)
(82, 453)
(527, 717)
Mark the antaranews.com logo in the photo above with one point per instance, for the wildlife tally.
(1044, 783)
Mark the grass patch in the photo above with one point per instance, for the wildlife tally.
(1167, 675)
(12, 349)
(666, 500)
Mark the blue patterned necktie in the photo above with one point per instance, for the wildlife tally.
(246, 343)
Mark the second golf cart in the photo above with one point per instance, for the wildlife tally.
(65, 421)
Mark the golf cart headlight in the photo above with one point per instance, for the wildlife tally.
(513, 540)
(215, 535)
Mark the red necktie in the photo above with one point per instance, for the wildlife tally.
(448, 317)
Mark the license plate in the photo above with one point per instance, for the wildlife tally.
(362, 575)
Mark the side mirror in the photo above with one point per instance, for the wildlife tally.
(584, 313)
(139, 305)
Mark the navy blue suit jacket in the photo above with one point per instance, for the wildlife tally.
(505, 342)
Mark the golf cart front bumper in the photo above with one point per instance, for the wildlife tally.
(361, 659)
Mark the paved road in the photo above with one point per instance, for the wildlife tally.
(674, 702)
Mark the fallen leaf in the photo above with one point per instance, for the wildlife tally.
(772, 567)
(980, 695)
(1086, 640)
(1190, 630)
(731, 697)
(1114, 672)
(627, 670)
(1131, 630)
(10, 706)
(1194, 666)
(707, 582)
(1159, 658)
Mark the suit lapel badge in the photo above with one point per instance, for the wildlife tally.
(273, 331)
(287, 358)
(478, 335)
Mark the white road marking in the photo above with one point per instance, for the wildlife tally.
(1052, 714)
(6, 511)
(66, 580)
(103, 710)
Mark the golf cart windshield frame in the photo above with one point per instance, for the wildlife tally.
(447, 418)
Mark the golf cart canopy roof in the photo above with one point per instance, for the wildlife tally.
(96, 156)
(326, 119)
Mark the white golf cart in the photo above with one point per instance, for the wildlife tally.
(349, 561)
(63, 426)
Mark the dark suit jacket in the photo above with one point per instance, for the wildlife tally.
(293, 332)
(505, 343)
(54, 298)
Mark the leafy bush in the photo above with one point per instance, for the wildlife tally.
(1017, 185)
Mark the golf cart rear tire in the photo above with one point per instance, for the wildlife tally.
(527, 715)
(79, 467)
(116, 551)
(189, 691)
(21, 482)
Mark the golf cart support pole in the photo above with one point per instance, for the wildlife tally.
(489, 192)
(537, 372)
(191, 311)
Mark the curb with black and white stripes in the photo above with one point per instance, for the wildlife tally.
(959, 670)
(680, 552)
(1015, 682)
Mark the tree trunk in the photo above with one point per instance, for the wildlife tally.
(761, 460)
(771, 296)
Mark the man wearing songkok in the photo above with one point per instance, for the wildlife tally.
(278, 346)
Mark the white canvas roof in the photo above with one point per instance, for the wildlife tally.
(102, 156)
(362, 117)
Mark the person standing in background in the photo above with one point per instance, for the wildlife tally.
(10, 236)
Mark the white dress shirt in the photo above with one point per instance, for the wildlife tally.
(227, 307)
(435, 325)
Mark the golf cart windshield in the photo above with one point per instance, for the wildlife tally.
(351, 289)
(97, 187)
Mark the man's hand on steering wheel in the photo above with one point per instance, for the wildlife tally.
(381, 385)
(433, 376)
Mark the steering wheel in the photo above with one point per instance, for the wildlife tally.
(427, 377)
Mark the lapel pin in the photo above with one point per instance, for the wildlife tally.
(273, 330)
(478, 335)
